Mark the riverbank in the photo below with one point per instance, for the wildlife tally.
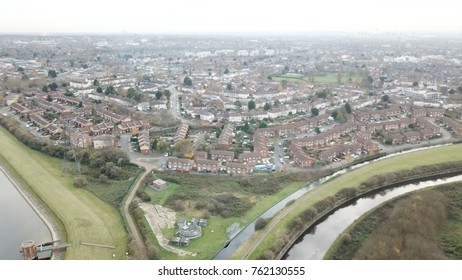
(424, 224)
(415, 179)
(261, 241)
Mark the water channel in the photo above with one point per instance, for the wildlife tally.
(240, 238)
(315, 242)
(18, 221)
(245, 233)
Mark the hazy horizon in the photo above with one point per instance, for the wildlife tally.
(239, 16)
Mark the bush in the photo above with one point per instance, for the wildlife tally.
(346, 238)
(80, 182)
(103, 179)
(143, 196)
(278, 245)
(206, 215)
(268, 255)
(296, 225)
(290, 202)
(152, 251)
(179, 205)
(325, 204)
(347, 193)
(200, 205)
(245, 182)
(260, 223)
(308, 215)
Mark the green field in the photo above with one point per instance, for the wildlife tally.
(214, 235)
(86, 219)
(354, 178)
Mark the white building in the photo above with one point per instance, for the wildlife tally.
(242, 53)
(81, 84)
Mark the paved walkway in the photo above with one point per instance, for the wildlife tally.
(130, 223)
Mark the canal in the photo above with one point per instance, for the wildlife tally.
(243, 235)
(317, 240)
(246, 233)
(18, 221)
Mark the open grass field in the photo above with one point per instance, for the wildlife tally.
(85, 218)
(214, 235)
(352, 179)
(212, 240)
(114, 191)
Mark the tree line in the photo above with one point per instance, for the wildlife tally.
(108, 162)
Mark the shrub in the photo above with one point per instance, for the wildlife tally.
(152, 251)
(347, 193)
(346, 238)
(268, 255)
(206, 215)
(80, 182)
(260, 223)
(103, 179)
(200, 205)
(279, 245)
(143, 196)
(325, 204)
(179, 205)
(309, 214)
(290, 202)
(245, 182)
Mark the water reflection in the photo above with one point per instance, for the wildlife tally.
(18, 222)
(315, 242)
(245, 234)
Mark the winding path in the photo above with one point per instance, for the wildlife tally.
(133, 229)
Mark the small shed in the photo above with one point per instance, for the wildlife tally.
(144, 150)
(159, 185)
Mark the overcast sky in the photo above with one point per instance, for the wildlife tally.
(180, 16)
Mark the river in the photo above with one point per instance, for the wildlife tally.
(315, 242)
(245, 233)
(18, 221)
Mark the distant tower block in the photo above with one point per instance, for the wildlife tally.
(28, 250)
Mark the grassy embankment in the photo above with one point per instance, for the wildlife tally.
(213, 194)
(351, 179)
(425, 224)
(85, 218)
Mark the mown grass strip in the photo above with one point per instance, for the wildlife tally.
(84, 216)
